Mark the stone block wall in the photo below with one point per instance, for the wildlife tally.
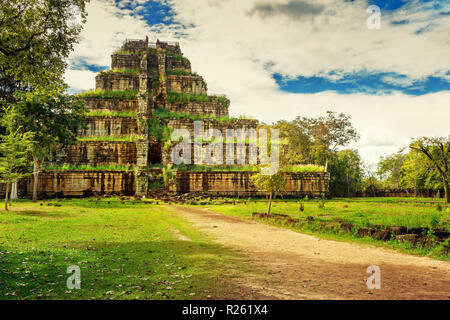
(238, 152)
(214, 108)
(80, 184)
(125, 61)
(186, 84)
(207, 124)
(99, 153)
(232, 183)
(106, 126)
(96, 104)
(115, 81)
(177, 64)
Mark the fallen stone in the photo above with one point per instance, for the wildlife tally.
(365, 232)
(408, 238)
(383, 235)
(398, 230)
(441, 234)
(347, 227)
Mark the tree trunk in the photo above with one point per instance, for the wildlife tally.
(415, 187)
(35, 177)
(6, 196)
(348, 187)
(270, 202)
(447, 191)
(13, 194)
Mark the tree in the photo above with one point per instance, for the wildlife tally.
(271, 184)
(15, 148)
(54, 121)
(346, 173)
(389, 168)
(327, 134)
(437, 150)
(295, 142)
(36, 37)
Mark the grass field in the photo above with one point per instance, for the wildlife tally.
(128, 250)
(361, 212)
(125, 251)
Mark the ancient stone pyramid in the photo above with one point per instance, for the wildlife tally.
(149, 91)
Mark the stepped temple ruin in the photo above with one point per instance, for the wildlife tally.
(125, 148)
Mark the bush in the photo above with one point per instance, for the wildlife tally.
(173, 97)
(106, 94)
(180, 72)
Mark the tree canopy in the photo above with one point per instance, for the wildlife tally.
(437, 150)
(36, 37)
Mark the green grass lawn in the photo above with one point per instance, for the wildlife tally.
(124, 250)
(361, 212)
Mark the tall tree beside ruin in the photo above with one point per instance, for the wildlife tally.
(15, 148)
(295, 142)
(36, 38)
(331, 132)
(437, 150)
(55, 122)
(316, 139)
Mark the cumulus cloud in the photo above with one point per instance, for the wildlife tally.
(80, 80)
(295, 9)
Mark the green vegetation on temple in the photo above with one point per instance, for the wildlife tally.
(109, 94)
(245, 168)
(176, 56)
(165, 114)
(173, 97)
(107, 113)
(69, 167)
(180, 72)
(128, 138)
(122, 71)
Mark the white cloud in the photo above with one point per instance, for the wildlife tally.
(80, 80)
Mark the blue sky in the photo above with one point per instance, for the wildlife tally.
(279, 59)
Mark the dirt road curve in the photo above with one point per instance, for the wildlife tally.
(299, 266)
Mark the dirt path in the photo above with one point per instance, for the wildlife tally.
(299, 266)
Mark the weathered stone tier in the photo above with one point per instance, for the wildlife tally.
(98, 104)
(186, 84)
(97, 153)
(238, 152)
(80, 183)
(207, 124)
(214, 108)
(125, 61)
(115, 81)
(177, 64)
(110, 125)
(232, 183)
